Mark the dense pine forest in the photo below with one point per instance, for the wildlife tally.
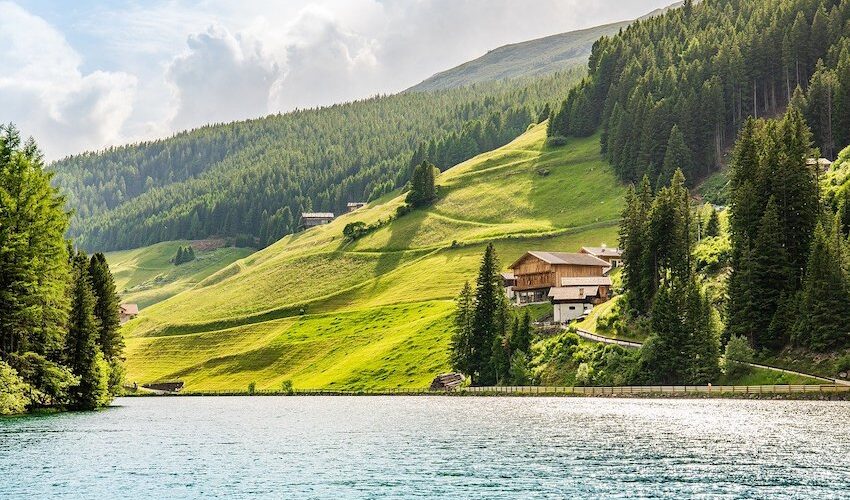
(60, 344)
(673, 91)
(253, 178)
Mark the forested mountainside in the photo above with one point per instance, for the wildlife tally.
(254, 177)
(672, 91)
(539, 57)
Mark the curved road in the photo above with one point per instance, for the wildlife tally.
(636, 345)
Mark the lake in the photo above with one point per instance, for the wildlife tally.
(430, 447)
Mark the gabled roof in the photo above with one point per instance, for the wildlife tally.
(129, 309)
(587, 281)
(603, 251)
(573, 292)
(556, 258)
(508, 275)
(317, 215)
(356, 204)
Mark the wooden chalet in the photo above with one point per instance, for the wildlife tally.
(537, 272)
(126, 312)
(313, 219)
(613, 256)
(355, 205)
(509, 282)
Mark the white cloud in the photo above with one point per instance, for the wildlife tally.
(222, 77)
(43, 91)
(145, 70)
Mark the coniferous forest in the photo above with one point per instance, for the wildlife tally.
(253, 178)
(675, 89)
(60, 345)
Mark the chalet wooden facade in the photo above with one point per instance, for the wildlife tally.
(536, 272)
(126, 312)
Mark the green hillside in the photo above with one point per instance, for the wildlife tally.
(323, 312)
(146, 275)
(537, 57)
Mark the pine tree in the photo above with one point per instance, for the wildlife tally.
(423, 190)
(521, 335)
(487, 323)
(461, 350)
(825, 308)
(83, 355)
(110, 340)
(677, 155)
(771, 275)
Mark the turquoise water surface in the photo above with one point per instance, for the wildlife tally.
(430, 447)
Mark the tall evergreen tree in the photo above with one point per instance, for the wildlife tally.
(461, 349)
(677, 156)
(487, 318)
(825, 308)
(110, 340)
(771, 276)
(82, 352)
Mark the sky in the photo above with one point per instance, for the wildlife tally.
(84, 75)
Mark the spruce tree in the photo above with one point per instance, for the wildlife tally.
(461, 350)
(83, 355)
(677, 155)
(712, 226)
(825, 308)
(771, 275)
(110, 340)
(486, 326)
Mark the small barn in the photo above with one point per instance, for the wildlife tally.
(126, 312)
(313, 219)
(508, 283)
(355, 205)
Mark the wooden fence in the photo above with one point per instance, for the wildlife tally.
(701, 390)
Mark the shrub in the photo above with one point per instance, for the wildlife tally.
(286, 387)
(843, 364)
(51, 383)
(13, 391)
(355, 230)
(584, 374)
(252, 388)
(738, 351)
(520, 372)
(556, 141)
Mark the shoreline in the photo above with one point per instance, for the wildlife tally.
(779, 392)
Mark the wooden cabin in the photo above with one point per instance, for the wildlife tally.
(447, 382)
(313, 219)
(508, 283)
(355, 205)
(613, 256)
(126, 312)
(537, 272)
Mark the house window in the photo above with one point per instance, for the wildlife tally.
(572, 308)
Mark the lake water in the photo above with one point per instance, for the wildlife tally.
(432, 447)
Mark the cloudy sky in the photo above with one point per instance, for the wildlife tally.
(80, 75)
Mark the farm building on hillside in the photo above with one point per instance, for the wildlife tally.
(578, 295)
(822, 163)
(355, 205)
(613, 256)
(313, 219)
(126, 312)
(535, 273)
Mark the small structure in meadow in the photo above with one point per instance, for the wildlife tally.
(165, 387)
(355, 205)
(823, 164)
(126, 312)
(447, 382)
(577, 296)
(313, 219)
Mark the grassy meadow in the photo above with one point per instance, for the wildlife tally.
(323, 312)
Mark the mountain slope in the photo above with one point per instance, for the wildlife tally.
(325, 312)
(537, 57)
(146, 275)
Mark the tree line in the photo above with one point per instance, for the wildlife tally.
(60, 344)
(253, 178)
(689, 79)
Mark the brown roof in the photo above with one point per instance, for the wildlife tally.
(587, 281)
(603, 251)
(573, 292)
(556, 258)
(129, 309)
